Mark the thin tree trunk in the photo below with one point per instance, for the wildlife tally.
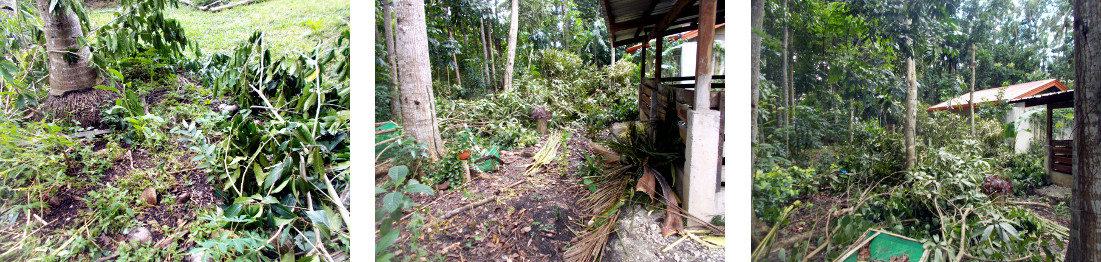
(492, 45)
(415, 75)
(485, 54)
(911, 107)
(455, 61)
(755, 78)
(1085, 239)
(512, 28)
(785, 120)
(971, 100)
(395, 92)
(63, 33)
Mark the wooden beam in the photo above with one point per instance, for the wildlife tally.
(675, 12)
(1062, 168)
(609, 19)
(704, 53)
(619, 43)
(647, 20)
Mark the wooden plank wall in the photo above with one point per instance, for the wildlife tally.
(1062, 156)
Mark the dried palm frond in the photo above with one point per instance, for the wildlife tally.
(611, 193)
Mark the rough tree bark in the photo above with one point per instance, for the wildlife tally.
(388, 31)
(1085, 226)
(755, 78)
(415, 76)
(71, 78)
(485, 54)
(911, 106)
(971, 100)
(785, 121)
(512, 28)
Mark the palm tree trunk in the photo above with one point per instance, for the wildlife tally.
(1085, 242)
(415, 76)
(512, 28)
(395, 92)
(69, 71)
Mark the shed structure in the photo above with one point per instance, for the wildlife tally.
(1058, 162)
(698, 115)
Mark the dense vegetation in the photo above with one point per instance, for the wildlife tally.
(839, 134)
(245, 151)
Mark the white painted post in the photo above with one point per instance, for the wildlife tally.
(701, 163)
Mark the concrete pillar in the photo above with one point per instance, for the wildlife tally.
(701, 164)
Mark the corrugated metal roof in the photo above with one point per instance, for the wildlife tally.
(1049, 98)
(629, 22)
(683, 36)
(1011, 92)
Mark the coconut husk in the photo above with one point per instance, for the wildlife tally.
(81, 106)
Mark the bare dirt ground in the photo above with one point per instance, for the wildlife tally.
(532, 218)
(192, 194)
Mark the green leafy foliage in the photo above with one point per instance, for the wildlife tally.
(394, 201)
(775, 189)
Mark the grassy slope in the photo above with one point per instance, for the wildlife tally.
(285, 23)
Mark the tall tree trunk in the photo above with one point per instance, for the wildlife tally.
(1085, 239)
(785, 120)
(69, 71)
(486, 61)
(415, 75)
(755, 78)
(388, 31)
(455, 61)
(971, 100)
(911, 106)
(71, 78)
(512, 28)
(492, 45)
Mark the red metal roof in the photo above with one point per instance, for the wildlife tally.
(683, 36)
(1012, 92)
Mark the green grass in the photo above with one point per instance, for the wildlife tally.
(286, 24)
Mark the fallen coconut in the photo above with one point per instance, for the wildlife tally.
(149, 196)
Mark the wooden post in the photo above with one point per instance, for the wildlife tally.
(1050, 161)
(703, 54)
(657, 55)
(642, 81)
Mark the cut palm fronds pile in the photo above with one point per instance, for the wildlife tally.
(545, 154)
(612, 192)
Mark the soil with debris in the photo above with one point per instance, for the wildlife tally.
(532, 218)
(638, 238)
(192, 194)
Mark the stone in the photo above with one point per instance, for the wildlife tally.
(140, 235)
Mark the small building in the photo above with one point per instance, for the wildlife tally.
(996, 95)
(695, 107)
(1058, 162)
(687, 54)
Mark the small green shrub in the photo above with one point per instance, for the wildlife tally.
(774, 189)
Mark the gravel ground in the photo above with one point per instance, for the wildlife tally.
(638, 238)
